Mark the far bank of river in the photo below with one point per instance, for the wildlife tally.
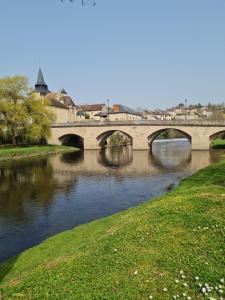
(12, 153)
(42, 196)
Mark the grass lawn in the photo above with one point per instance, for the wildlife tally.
(153, 251)
(20, 152)
(218, 144)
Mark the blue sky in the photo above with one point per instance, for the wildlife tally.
(149, 53)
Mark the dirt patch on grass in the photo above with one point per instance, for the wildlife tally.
(59, 260)
(12, 282)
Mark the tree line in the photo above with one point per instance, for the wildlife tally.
(24, 117)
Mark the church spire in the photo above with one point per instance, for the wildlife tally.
(40, 79)
(41, 87)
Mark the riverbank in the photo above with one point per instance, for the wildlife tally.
(135, 254)
(218, 144)
(8, 153)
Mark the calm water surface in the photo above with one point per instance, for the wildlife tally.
(40, 197)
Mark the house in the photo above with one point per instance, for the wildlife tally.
(119, 113)
(157, 114)
(191, 112)
(206, 112)
(93, 109)
(60, 102)
(63, 98)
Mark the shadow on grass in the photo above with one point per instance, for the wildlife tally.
(6, 267)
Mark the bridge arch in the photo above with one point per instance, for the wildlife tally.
(103, 137)
(72, 140)
(219, 134)
(153, 136)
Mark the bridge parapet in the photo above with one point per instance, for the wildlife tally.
(89, 123)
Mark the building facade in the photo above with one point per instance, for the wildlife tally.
(92, 110)
(60, 103)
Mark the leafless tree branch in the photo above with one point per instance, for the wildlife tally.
(84, 2)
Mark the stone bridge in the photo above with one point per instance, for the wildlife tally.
(93, 134)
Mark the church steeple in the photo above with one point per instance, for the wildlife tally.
(41, 87)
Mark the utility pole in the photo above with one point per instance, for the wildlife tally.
(107, 109)
(185, 108)
(108, 105)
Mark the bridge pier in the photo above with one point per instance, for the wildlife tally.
(200, 143)
(140, 143)
(91, 144)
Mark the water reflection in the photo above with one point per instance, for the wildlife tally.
(216, 155)
(42, 196)
(165, 156)
(72, 157)
(116, 156)
(29, 181)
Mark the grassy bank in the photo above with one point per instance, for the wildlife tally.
(218, 144)
(21, 152)
(154, 250)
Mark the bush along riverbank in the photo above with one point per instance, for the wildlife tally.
(218, 144)
(169, 248)
(11, 152)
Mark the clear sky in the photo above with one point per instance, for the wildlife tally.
(148, 53)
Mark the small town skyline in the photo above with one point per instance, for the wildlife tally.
(158, 110)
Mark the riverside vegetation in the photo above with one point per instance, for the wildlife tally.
(24, 118)
(218, 144)
(25, 121)
(21, 152)
(169, 248)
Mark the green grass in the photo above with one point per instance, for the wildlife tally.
(218, 144)
(133, 254)
(21, 152)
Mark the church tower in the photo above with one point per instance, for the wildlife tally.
(41, 87)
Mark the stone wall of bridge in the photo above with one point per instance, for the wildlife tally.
(141, 133)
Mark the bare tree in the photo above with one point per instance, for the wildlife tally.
(84, 2)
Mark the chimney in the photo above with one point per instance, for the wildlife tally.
(116, 107)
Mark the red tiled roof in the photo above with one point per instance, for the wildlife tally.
(92, 107)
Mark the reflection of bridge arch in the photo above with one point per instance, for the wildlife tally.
(172, 157)
(72, 140)
(155, 134)
(116, 157)
(102, 138)
(72, 158)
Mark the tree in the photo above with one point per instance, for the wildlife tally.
(21, 114)
(84, 2)
(13, 114)
(40, 117)
(217, 115)
(181, 104)
(118, 139)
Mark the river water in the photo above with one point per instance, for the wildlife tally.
(40, 197)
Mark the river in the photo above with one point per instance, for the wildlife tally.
(42, 196)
